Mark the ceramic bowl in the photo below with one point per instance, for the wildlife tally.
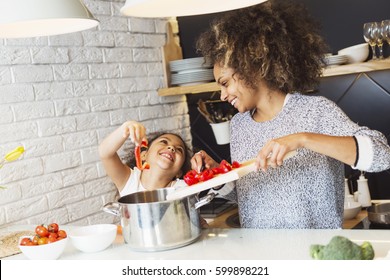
(356, 53)
(351, 209)
(93, 238)
(51, 251)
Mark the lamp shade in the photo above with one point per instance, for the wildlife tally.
(33, 18)
(172, 8)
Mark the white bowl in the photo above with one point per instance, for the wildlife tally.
(93, 238)
(51, 251)
(356, 53)
(351, 209)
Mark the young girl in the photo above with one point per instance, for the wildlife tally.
(167, 156)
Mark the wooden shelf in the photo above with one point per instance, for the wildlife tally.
(189, 89)
(368, 66)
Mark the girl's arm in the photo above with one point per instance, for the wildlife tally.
(115, 168)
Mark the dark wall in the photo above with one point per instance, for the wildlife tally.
(341, 21)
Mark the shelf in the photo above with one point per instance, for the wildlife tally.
(368, 66)
(189, 89)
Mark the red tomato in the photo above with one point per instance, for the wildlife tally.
(216, 170)
(225, 166)
(53, 227)
(190, 180)
(25, 241)
(62, 233)
(43, 241)
(35, 240)
(42, 231)
(235, 164)
(207, 174)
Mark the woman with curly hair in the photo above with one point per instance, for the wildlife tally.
(265, 58)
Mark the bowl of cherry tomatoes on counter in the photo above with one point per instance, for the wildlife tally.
(48, 243)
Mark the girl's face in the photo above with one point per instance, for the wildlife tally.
(168, 152)
(233, 90)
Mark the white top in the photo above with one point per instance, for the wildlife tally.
(134, 184)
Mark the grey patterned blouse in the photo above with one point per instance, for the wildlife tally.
(307, 191)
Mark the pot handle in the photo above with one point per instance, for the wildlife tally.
(204, 200)
(112, 208)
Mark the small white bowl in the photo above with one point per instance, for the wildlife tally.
(93, 238)
(356, 53)
(351, 209)
(51, 251)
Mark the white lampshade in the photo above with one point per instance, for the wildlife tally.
(172, 8)
(32, 18)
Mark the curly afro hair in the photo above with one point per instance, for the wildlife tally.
(276, 42)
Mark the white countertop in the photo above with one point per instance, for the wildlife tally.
(240, 244)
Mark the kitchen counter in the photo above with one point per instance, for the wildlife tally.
(239, 244)
(220, 221)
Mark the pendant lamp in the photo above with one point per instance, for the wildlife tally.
(33, 18)
(173, 8)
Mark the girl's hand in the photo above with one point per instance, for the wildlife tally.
(202, 160)
(135, 131)
(274, 151)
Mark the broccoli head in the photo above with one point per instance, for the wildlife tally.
(341, 248)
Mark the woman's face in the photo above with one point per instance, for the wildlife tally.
(233, 90)
(168, 153)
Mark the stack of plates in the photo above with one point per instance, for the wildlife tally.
(190, 71)
(336, 59)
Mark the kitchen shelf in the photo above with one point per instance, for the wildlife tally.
(208, 87)
(368, 66)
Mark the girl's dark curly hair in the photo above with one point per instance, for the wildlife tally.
(187, 156)
(277, 42)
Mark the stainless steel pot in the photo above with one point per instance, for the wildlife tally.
(379, 213)
(151, 223)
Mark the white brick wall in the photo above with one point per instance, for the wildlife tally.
(60, 96)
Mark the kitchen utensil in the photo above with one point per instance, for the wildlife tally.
(379, 213)
(170, 51)
(235, 174)
(203, 109)
(221, 132)
(351, 209)
(205, 115)
(50, 251)
(152, 223)
(364, 197)
(93, 238)
(356, 53)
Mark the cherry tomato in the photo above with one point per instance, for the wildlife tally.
(25, 241)
(35, 240)
(62, 233)
(43, 241)
(42, 231)
(235, 164)
(52, 239)
(53, 227)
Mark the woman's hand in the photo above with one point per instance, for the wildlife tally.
(135, 130)
(274, 151)
(202, 160)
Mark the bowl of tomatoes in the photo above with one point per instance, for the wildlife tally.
(48, 243)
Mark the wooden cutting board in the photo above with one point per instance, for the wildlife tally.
(235, 174)
(170, 51)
